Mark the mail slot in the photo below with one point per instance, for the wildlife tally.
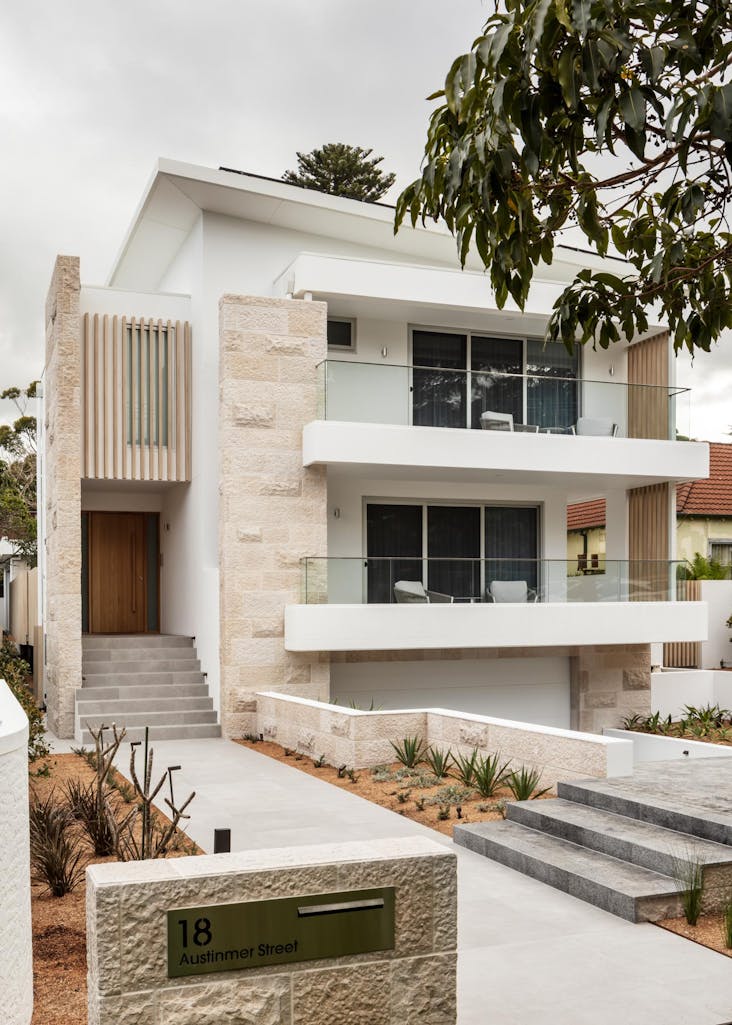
(252, 934)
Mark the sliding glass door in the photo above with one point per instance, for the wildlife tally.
(490, 360)
(439, 390)
(454, 549)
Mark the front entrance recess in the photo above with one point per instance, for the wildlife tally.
(121, 572)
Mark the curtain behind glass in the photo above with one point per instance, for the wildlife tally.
(438, 393)
(551, 403)
(489, 359)
(453, 535)
(511, 544)
(393, 533)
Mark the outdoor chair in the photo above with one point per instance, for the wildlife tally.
(595, 427)
(412, 592)
(515, 591)
(491, 421)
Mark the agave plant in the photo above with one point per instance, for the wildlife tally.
(55, 851)
(465, 767)
(410, 751)
(489, 774)
(438, 761)
(524, 782)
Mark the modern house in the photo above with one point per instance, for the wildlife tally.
(318, 454)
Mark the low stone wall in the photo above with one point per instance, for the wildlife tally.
(347, 736)
(414, 983)
(648, 747)
(16, 963)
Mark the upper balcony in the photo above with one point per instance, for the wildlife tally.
(378, 416)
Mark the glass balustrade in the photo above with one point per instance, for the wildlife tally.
(357, 580)
(387, 393)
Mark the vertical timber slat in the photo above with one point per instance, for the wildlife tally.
(135, 396)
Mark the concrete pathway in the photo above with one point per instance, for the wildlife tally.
(528, 954)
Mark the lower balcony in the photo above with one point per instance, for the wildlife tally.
(389, 604)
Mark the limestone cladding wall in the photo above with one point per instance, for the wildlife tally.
(414, 983)
(16, 963)
(62, 472)
(610, 683)
(272, 511)
(363, 739)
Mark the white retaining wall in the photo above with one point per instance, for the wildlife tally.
(648, 747)
(16, 959)
(361, 739)
(671, 689)
(717, 648)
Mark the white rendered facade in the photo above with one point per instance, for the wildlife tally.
(201, 235)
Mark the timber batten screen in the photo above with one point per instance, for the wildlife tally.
(136, 399)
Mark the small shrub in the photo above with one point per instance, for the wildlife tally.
(489, 774)
(632, 722)
(727, 924)
(465, 767)
(351, 773)
(452, 794)
(419, 804)
(403, 796)
(523, 784)
(96, 816)
(318, 763)
(410, 751)
(252, 738)
(16, 673)
(438, 761)
(444, 813)
(342, 771)
(54, 850)
(689, 872)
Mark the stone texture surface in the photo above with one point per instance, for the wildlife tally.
(16, 966)
(126, 929)
(272, 511)
(62, 475)
(608, 683)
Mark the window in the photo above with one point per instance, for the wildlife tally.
(341, 334)
(147, 372)
(458, 377)
(721, 552)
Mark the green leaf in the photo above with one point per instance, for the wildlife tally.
(567, 76)
(633, 108)
(581, 15)
(720, 122)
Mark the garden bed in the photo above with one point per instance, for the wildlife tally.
(707, 931)
(709, 724)
(415, 793)
(59, 923)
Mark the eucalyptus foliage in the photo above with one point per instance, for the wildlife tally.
(341, 170)
(613, 116)
(18, 475)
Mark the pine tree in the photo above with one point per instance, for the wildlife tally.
(341, 170)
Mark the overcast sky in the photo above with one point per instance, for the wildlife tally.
(91, 94)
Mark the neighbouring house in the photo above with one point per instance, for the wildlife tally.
(284, 449)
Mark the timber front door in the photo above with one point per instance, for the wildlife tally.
(122, 572)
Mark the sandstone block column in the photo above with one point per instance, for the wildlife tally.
(272, 511)
(608, 683)
(62, 475)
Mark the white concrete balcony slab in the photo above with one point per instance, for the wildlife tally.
(443, 453)
(542, 624)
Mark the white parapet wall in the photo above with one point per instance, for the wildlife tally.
(648, 747)
(136, 955)
(363, 739)
(16, 959)
(671, 689)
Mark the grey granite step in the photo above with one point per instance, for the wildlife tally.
(194, 731)
(628, 839)
(123, 706)
(164, 678)
(130, 691)
(141, 666)
(630, 891)
(91, 642)
(152, 654)
(150, 718)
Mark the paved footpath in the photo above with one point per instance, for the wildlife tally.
(528, 954)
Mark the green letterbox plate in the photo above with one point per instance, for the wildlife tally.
(251, 934)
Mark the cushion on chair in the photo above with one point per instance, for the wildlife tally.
(509, 590)
(596, 427)
(410, 592)
(491, 421)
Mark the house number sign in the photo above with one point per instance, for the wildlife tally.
(252, 934)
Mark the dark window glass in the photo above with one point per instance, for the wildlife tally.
(551, 386)
(453, 547)
(490, 360)
(439, 390)
(511, 544)
(340, 334)
(393, 548)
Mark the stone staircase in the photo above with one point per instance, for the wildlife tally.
(615, 848)
(144, 680)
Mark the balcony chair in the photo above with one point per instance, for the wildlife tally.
(491, 421)
(514, 591)
(595, 427)
(412, 592)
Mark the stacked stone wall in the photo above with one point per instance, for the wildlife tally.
(609, 683)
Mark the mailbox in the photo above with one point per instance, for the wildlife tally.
(252, 934)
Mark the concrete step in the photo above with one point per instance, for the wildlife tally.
(92, 642)
(152, 655)
(144, 666)
(123, 706)
(632, 840)
(671, 813)
(166, 678)
(630, 891)
(196, 731)
(132, 691)
(149, 718)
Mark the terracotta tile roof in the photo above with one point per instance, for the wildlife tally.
(583, 515)
(712, 496)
